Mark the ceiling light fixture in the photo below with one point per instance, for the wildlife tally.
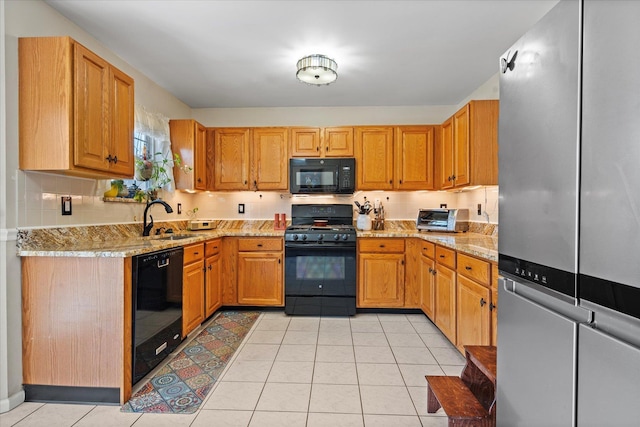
(317, 70)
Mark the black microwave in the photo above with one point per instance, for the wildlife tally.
(322, 176)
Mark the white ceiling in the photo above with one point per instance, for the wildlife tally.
(244, 53)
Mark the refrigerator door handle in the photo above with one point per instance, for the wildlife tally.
(547, 302)
(507, 284)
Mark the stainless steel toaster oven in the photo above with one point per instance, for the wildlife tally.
(444, 220)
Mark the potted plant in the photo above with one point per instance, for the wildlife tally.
(156, 171)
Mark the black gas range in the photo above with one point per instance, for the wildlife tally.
(320, 260)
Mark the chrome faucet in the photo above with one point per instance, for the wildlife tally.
(147, 227)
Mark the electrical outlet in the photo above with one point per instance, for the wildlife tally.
(479, 208)
(66, 205)
(240, 208)
(179, 208)
(443, 206)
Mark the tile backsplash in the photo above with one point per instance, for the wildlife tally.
(39, 203)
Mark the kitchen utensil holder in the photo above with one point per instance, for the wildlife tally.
(363, 222)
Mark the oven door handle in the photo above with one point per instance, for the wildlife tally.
(319, 245)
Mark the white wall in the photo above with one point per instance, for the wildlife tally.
(32, 199)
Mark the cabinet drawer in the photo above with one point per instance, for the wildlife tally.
(193, 253)
(257, 244)
(446, 257)
(212, 247)
(474, 269)
(428, 249)
(381, 245)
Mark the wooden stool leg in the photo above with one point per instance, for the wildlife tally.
(432, 402)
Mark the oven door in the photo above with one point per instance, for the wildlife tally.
(320, 279)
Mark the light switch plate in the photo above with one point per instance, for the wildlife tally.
(66, 205)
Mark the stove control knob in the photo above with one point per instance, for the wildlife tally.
(345, 237)
(320, 236)
(295, 237)
(336, 237)
(304, 237)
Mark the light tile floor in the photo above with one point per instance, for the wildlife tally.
(367, 370)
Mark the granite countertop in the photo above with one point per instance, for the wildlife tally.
(124, 240)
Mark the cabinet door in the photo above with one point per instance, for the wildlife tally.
(445, 156)
(414, 158)
(380, 280)
(461, 147)
(122, 110)
(213, 286)
(473, 315)
(270, 159)
(494, 303)
(445, 307)
(260, 278)
(374, 157)
(493, 307)
(189, 140)
(192, 297)
(91, 125)
(200, 162)
(337, 142)
(305, 142)
(427, 288)
(483, 142)
(231, 154)
(412, 279)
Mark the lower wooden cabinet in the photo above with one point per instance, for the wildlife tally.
(445, 301)
(428, 286)
(493, 307)
(380, 273)
(413, 273)
(473, 315)
(212, 275)
(260, 272)
(474, 301)
(73, 334)
(192, 288)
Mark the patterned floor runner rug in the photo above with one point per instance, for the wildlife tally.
(183, 383)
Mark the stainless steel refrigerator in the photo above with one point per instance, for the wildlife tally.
(569, 240)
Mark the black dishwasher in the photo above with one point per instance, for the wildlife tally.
(157, 308)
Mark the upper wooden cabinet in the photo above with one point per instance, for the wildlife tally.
(189, 139)
(269, 159)
(400, 159)
(75, 111)
(325, 142)
(374, 158)
(231, 154)
(467, 150)
(414, 158)
(250, 159)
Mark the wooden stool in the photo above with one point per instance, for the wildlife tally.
(457, 401)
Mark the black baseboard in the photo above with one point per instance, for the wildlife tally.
(390, 310)
(66, 394)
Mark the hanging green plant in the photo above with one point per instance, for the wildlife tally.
(156, 170)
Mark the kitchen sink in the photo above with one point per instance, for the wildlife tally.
(178, 237)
